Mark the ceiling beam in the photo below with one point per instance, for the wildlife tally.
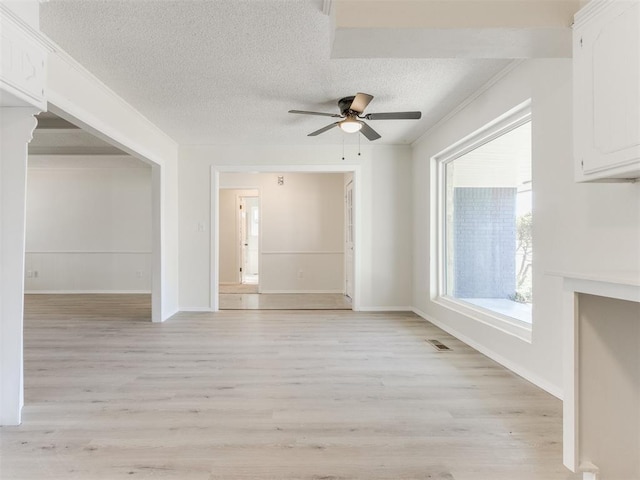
(452, 28)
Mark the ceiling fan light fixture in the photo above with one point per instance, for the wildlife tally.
(350, 125)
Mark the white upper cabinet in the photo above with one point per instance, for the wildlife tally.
(606, 66)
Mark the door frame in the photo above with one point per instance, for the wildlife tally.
(216, 170)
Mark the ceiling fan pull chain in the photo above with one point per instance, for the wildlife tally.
(358, 145)
(343, 147)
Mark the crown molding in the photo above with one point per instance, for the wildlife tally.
(471, 98)
(592, 10)
(25, 28)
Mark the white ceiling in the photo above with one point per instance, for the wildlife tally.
(227, 71)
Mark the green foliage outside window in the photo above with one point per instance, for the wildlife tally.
(524, 249)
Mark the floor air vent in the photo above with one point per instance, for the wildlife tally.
(438, 345)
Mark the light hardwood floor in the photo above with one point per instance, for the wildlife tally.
(284, 301)
(267, 395)
(224, 288)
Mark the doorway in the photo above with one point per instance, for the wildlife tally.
(97, 238)
(249, 240)
(90, 140)
(239, 236)
(300, 222)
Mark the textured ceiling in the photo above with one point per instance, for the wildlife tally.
(227, 71)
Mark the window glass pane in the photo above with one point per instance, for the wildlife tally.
(488, 219)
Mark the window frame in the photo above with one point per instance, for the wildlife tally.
(505, 123)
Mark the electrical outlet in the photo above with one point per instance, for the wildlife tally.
(300, 273)
(139, 274)
(29, 274)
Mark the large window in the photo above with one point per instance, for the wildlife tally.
(486, 221)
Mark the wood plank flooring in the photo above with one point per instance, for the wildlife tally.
(238, 288)
(284, 301)
(267, 395)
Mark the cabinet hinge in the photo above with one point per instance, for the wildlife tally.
(240, 207)
(582, 164)
(240, 269)
(580, 42)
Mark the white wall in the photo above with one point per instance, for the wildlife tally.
(577, 227)
(88, 225)
(383, 186)
(301, 230)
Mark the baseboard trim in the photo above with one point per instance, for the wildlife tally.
(341, 292)
(514, 367)
(169, 315)
(386, 309)
(195, 310)
(87, 292)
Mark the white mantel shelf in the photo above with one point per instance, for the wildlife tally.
(622, 285)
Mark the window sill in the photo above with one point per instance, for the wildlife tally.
(504, 323)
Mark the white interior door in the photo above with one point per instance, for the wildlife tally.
(242, 237)
(250, 231)
(349, 244)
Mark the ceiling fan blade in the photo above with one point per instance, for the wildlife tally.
(323, 129)
(360, 102)
(369, 132)
(304, 112)
(394, 116)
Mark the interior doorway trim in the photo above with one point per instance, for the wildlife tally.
(216, 170)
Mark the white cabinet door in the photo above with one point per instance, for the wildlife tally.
(607, 90)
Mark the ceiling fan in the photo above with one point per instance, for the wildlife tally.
(351, 113)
